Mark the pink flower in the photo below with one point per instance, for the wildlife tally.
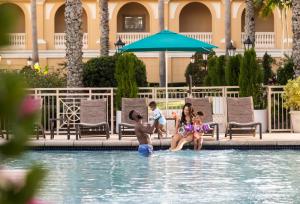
(35, 201)
(30, 106)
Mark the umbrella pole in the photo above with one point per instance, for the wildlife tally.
(167, 96)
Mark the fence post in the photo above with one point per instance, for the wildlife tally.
(57, 112)
(269, 90)
(112, 110)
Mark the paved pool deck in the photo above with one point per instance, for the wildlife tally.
(269, 141)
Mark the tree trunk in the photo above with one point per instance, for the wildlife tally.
(227, 25)
(162, 57)
(104, 28)
(296, 35)
(35, 51)
(74, 35)
(250, 20)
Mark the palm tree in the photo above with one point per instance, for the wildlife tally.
(74, 35)
(104, 28)
(268, 6)
(296, 36)
(35, 51)
(162, 57)
(250, 20)
(227, 25)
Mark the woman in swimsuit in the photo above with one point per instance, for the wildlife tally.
(184, 128)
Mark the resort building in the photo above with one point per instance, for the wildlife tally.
(133, 20)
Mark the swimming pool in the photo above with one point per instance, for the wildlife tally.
(228, 176)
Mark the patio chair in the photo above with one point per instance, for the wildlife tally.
(203, 105)
(39, 130)
(93, 119)
(240, 117)
(126, 127)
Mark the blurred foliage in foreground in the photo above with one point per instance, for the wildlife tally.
(19, 116)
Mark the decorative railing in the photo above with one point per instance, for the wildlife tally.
(262, 39)
(203, 36)
(279, 117)
(128, 38)
(17, 40)
(64, 103)
(60, 39)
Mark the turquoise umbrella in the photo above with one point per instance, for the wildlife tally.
(168, 41)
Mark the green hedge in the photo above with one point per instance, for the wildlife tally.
(232, 70)
(251, 78)
(35, 79)
(100, 72)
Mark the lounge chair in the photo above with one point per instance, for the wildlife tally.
(240, 117)
(39, 130)
(93, 119)
(126, 127)
(203, 105)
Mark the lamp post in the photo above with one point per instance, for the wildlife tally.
(119, 44)
(231, 50)
(192, 58)
(205, 56)
(29, 61)
(248, 44)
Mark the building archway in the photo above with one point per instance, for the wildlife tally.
(265, 24)
(19, 26)
(133, 17)
(195, 12)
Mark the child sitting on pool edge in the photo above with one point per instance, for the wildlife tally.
(141, 132)
(199, 129)
(157, 115)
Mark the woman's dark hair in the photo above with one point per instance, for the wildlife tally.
(191, 112)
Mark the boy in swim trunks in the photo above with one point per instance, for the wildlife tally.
(141, 132)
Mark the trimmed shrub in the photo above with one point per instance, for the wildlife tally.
(197, 70)
(216, 71)
(267, 62)
(99, 72)
(126, 69)
(211, 70)
(232, 70)
(251, 77)
(286, 72)
(140, 73)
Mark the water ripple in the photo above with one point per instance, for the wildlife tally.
(224, 177)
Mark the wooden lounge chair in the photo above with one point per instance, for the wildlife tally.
(93, 119)
(240, 117)
(126, 127)
(203, 105)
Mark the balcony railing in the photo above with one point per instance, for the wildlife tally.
(203, 36)
(60, 39)
(17, 40)
(128, 38)
(262, 39)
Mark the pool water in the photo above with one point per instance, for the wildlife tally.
(229, 176)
